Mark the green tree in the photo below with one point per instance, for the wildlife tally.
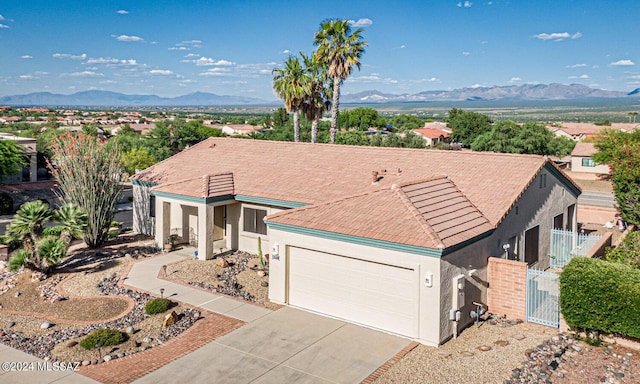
(88, 175)
(405, 122)
(340, 49)
(467, 126)
(136, 159)
(12, 158)
(360, 118)
(292, 83)
(318, 98)
(280, 117)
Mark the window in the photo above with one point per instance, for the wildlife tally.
(570, 212)
(152, 206)
(588, 162)
(558, 221)
(531, 244)
(254, 220)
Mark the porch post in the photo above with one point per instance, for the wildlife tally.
(205, 231)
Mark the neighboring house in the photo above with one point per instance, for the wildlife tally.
(433, 136)
(240, 129)
(581, 160)
(390, 238)
(581, 131)
(29, 146)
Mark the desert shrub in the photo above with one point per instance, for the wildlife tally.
(18, 259)
(6, 203)
(601, 296)
(53, 231)
(157, 305)
(112, 234)
(104, 337)
(116, 224)
(10, 242)
(628, 252)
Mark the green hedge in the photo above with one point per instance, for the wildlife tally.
(597, 295)
(104, 337)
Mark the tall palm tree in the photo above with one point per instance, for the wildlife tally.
(291, 84)
(318, 100)
(340, 49)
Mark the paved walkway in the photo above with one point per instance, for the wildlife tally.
(237, 342)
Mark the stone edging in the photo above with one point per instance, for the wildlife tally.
(385, 367)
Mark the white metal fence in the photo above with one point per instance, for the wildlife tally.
(567, 244)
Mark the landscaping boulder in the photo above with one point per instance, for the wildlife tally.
(170, 319)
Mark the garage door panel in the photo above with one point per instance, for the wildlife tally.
(378, 295)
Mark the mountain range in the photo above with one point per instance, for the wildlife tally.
(527, 92)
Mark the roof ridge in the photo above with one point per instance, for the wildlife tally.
(426, 227)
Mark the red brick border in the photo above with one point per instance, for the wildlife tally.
(130, 368)
(385, 367)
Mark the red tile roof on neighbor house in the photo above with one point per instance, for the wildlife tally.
(483, 183)
(584, 150)
(431, 133)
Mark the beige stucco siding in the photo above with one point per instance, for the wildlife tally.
(576, 166)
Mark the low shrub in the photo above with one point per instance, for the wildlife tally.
(104, 337)
(628, 252)
(112, 234)
(6, 203)
(601, 296)
(157, 305)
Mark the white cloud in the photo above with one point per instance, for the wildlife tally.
(623, 63)
(178, 48)
(286, 52)
(111, 61)
(403, 46)
(1, 17)
(26, 76)
(127, 38)
(3, 26)
(361, 22)
(580, 65)
(69, 56)
(186, 45)
(429, 80)
(514, 79)
(123, 12)
(558, 36)
(466, 4)
(579, 77)
(82, 74)
(26, 57)
(466, 53)
(207, 61)
(476, 86)
(163, 72)
(216, 72)
(192, 55)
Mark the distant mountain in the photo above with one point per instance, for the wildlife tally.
(512, 92)
(105, 98)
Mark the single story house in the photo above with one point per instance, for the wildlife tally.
(391, 238)
(433, 136)
(29, 146)
(581, 159)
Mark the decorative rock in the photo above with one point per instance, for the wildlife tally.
(170, 319)
(519, 336)
(16, 294)
(107, 358)
(86, 362)
(10, 324)
(222, 263)
(72, 344)
(261, 273)
(129, 330)
(45, 325)
(501, 343)
(264, 283)
(484, 348)
(120, 355)
(147, 339)
(576, 348)
(467, 353)
(444, 355)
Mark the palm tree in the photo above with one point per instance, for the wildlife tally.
(340, 50)
(291, 84)
(318, 100)
(29, 222)
(73, 220)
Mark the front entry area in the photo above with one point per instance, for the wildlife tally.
(377, 295)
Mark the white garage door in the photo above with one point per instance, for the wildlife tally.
(376, 295)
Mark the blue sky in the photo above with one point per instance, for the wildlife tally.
(171, 48)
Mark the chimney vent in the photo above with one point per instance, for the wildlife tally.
(374, 176)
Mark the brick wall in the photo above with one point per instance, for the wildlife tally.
(507, 288)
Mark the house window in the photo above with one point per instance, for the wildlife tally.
(558, 221)
(531, 245)
(152, 206)
(570, 212)
(588, 162)
(254, 220)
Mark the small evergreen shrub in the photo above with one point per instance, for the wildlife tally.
(6, 203)
(112, 234)
(53, 231)
(157, 305)
(104, 337)
(601, 296)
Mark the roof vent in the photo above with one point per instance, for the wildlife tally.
(399, 172)
(374, 176)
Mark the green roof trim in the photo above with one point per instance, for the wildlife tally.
(193, 199)
(143, 183)
(267, 201)
(563, 179)
(357, 240)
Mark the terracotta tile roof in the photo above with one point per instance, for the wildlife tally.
(584, 150)
(202, 187)
(431, 213)
(431, 133)
(317, 173)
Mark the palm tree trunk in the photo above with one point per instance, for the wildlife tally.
(335, 110)
(314, 128)
(296, 125)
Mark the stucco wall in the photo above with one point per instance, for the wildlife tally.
(429, 313)
(248, 241)
(576, 166)
(142, 222)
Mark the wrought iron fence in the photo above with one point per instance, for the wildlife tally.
(567, 244)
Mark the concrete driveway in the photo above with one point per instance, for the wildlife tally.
(286, 346)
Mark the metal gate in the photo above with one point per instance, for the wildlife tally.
(543, 298)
